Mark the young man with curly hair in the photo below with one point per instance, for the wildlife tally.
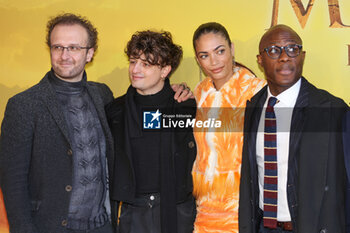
(152, 182)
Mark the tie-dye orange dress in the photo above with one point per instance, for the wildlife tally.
(216, 171)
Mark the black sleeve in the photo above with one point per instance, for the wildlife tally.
(15, 156)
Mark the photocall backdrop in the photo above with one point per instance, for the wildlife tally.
(24, 57)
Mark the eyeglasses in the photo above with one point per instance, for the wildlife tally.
(71, 49)
(274, 52)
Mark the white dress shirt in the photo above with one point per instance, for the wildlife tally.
(283, 111)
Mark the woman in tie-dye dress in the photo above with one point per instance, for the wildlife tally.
(221, 96)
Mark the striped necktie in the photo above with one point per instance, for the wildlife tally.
(270, 166)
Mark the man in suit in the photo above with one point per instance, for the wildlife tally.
(55, 141)
(292, 179)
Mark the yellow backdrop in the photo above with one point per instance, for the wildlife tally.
(24, 57)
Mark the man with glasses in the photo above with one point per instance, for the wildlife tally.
(293, 175)
(55, 141)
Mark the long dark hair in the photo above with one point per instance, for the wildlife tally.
(216, 28)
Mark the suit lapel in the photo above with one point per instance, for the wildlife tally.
(252, 118)
(99, 105)
(296, 128)
(50, 100)
(95, 95)
(346, 142)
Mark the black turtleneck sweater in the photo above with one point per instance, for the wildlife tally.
(89, 190)
(145, 147)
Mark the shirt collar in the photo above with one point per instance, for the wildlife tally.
(288, 97)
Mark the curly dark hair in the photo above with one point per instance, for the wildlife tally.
(157, 47)
(71, 19)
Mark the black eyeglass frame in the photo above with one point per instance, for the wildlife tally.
(282, 48)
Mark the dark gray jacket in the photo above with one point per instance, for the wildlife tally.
(316, 171)
(36, 157)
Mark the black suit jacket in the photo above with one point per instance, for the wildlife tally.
(36, 157)
(316, 174)
(346, 140)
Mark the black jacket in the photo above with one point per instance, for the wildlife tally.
(179, 149)
(316, 172)
(346, 141)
